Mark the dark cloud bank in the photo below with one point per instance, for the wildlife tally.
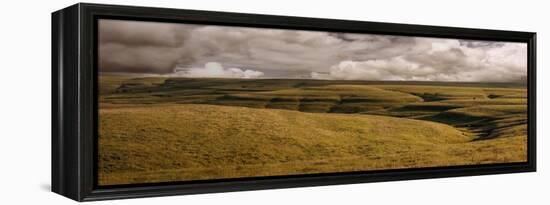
(236, 52)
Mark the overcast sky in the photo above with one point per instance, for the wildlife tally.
(237, 52)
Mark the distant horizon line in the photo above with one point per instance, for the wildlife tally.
(275, 78)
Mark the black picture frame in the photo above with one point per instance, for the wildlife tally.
(74, 106)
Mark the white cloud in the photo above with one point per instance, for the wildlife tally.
(391, 69)
(445, 60)
(215, 70)
(145, 47)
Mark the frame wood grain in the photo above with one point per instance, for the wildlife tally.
(74, 106)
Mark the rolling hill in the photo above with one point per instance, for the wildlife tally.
(188, 142)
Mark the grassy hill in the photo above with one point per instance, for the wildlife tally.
(158, 143)
(456, 104)
(155, 129)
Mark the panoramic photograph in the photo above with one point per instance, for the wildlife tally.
(184, 102)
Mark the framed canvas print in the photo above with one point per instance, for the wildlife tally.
(154, 102)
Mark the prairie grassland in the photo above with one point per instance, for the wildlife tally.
(156, 129)
(188, 142)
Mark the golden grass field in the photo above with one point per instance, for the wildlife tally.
(157, 129)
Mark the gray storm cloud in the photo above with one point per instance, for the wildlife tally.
(236, 52)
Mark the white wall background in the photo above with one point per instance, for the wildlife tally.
(25, 102)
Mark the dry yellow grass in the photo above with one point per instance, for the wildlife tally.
(156, 129)
(170, 142)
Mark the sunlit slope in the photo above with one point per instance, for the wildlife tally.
(456, 104)
(171, 142)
